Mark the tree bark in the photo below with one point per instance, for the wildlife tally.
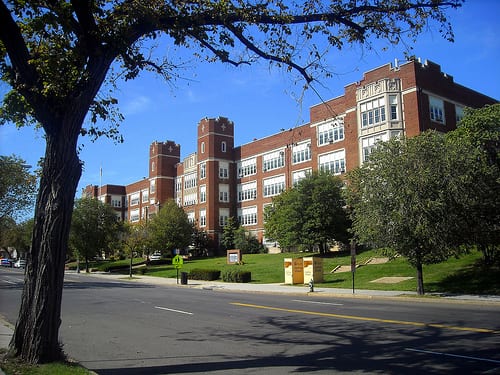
(35, 337)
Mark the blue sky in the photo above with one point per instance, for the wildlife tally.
(260, 101)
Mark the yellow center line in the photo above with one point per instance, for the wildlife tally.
(367, 319)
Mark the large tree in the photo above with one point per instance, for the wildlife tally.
(56, 55)
(311, 214)
(170, 229)
(473, 151)
(17, 188)
(94, 229)
(401, 199)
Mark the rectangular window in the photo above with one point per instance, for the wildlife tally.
(274, 186)
(333, 162)
(223, 216)
(134, 215)
(372, 112)
(152, 186)
(191, 217)
(436, 108)
(273, 160)
(368, 144)
(247, 167)
(190, 199)
(247, 192)
(459, 113)
(203, 218)
(203, 170)
(145, 196)
(223, 193)
(299, 175)
(178, 184)
(134, 199)
(247, 216)
(301, 152)
(203, 193)
(393, 103)
(223, 169)
(331, 132)
(190, 181)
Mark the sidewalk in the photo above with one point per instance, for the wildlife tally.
(6, 329)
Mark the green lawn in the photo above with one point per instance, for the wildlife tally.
(463, 275)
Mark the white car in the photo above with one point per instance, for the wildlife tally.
(155, 256)
(20, 263)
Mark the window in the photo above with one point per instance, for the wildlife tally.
(333, 162)
(393, 107)
(202, 147)
(274, 186)
(152, 186)
(203, 193)
(145, 196)
(223, 193)
(273, 160)
(178, 184)
(299, 175)
(247, 192)
(459, 113)
(116, 202)
(203, 170)
(134, 199)
(369, 144)
(153, 166)
(372, 112)
(247, 216)
(203, 218)
(301, 152)
(190, 181)
(436, 108)
(247, 167)
(190, 199)
(134, 215)
(223, 216)
(331, 132)
(223, 146)
(223, 169)
(190, 216)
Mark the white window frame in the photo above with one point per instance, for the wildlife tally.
(330, 132)
(373, 112)
(273, 186)
(135, 199)
(247, 167)
(203, 193)
(247, 192)
(436, 109)
(247, 216)
(203, 218)
(223, 216)
(273, 160)
(223, 193)
(301, 152)
(223, 169)
(333, 162)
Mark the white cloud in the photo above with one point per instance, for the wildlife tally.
(136, 105)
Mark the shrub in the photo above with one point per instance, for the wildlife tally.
(204, 274)
(237, 276)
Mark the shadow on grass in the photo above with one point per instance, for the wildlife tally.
(475, 279)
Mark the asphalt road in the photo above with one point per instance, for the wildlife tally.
(121, 327)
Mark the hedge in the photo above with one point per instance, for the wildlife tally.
(237, 276)
(204, 274)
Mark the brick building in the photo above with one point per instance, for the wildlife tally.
(222, 180)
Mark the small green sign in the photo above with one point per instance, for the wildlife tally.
(177, 261)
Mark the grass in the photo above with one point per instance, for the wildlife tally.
(457, 275)
(12, 366)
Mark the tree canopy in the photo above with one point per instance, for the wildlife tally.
(94, 228)
(170, 229)
(431, 196)
(56, 56)
(311, 214)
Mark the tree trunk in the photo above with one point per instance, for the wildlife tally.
(420, 279)
(36, 335)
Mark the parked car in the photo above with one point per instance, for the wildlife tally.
(20, 263)
(6, 262)
(155, 256)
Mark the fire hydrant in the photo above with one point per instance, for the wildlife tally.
(311, 285)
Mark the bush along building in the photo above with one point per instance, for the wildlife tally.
(222, 180)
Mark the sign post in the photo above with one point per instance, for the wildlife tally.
(177, 262)
(353, 262)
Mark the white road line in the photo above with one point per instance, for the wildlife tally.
(177, 311)
(9, 282)
(318, 303)
(453, 355)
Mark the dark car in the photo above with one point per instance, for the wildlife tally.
(6, 262)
